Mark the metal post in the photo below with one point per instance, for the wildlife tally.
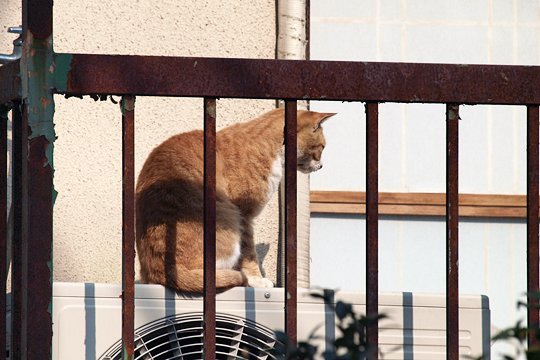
(37, 180)
(532, 221)
(290, 219)
(209, 229)
(372, 218)
(3, 223)
(128, 226)
(452, 223)
(19, 131)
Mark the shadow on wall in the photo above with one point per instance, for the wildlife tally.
(262, 251)
(90, 320)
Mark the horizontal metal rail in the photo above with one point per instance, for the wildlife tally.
(81, 74)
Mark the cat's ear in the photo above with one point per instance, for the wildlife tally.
(321, 119)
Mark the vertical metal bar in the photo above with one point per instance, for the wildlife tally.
(452, 223)
(372, 224)
(209, 229)
(38, 191)
(3, 224)
(290, 219)
(37, 252)
(532, 221)
(128, 226)
(19, 131)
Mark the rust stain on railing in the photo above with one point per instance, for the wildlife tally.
(452, 224)
(83, 74)
(3, 221)
(533, 253)
(290, 219)
(372, 223)
(209, 335)
(128, 226)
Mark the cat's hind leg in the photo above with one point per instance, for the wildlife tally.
(249, 264)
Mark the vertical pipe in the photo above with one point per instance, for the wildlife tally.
(292, 39)
(3, 224)
(128, 226)
(19, 131)
(532, 221)
(209, 229)
(372, 219)
(452, 213)
(290, 219)
(38, 190)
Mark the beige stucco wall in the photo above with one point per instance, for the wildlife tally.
(87, 213)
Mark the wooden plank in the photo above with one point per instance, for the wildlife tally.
(419, 198)
(419, 204)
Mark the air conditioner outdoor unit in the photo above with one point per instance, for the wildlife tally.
(87, 323)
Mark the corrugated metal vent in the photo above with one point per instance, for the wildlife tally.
(180, 337)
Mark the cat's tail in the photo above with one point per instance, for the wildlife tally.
(192, 280)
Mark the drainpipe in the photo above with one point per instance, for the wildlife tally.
(292, 33)
(291, 29)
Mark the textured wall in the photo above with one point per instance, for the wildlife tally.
(87, 213)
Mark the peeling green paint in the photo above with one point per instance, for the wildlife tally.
(37, 91)
(127, 104)
(61, 68)
(37, 74)
(50, 266)
(211, 109)
(126, 355)
(453, 113)
(54, 195)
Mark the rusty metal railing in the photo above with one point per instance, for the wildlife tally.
(209, 305)
(128, 223)
(29, 86)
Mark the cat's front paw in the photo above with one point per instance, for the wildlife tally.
(259, 282)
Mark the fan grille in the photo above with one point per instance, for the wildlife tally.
(180, 337)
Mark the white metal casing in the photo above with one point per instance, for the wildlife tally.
(87, 318)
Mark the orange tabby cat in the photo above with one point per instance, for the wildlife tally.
(248, 171)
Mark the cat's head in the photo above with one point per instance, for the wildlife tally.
(311, 140)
